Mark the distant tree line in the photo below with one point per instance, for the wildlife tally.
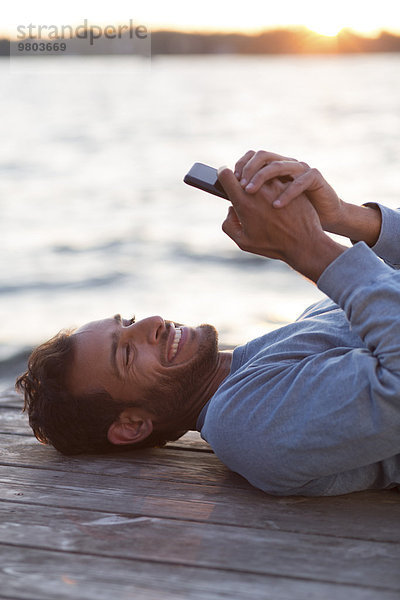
(281, 41)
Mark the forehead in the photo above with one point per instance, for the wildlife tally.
(96, 327)
(92, 343)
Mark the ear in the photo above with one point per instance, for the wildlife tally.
(131, 427)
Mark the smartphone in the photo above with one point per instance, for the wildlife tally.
(205, 178)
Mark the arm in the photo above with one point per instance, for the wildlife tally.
(358, 223)
(332, 418)
(352, 419)
(293, 234)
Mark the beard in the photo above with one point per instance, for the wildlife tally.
(171, 398)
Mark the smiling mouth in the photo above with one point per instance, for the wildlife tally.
(173, 351)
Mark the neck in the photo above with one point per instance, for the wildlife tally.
(208, 389)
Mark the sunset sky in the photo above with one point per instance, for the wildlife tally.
(327, 18)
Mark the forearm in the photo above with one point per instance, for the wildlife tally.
(311, 260)
(358, 223)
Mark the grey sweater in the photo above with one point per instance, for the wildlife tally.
(313, 408)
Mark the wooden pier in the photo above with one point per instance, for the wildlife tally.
(175, 523)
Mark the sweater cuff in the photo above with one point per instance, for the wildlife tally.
(356, 267)
(387, 245)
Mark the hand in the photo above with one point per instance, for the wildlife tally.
(293, 234)
(256, 168)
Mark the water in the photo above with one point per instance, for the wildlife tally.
(95, 218)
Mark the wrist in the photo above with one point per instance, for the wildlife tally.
(341, 218)
(358, 223)
(312, 261)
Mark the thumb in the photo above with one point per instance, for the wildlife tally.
(232, 226)
(231, 186)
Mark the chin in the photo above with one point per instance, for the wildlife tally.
(206, 355)
(211, 336)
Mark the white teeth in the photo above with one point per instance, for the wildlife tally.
(175, 343)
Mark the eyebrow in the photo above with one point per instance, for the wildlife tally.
(114, 346)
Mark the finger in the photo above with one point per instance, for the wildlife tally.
(232, 225)
(257, 162)
(236, 194)
(309, 181)
(274, 170)
(275, 187)
(241, 162)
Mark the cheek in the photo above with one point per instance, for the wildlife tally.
(146, 371)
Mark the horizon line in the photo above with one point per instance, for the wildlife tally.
(218, 31)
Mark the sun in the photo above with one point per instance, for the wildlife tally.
(326, 32)
(328, 28)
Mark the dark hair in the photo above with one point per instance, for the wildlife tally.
(72, 424)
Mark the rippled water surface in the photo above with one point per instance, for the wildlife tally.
(95, 218)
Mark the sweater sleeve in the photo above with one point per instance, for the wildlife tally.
(355, 431)
(387, 246)
(369, 293)
(318, 411)
(345, 435)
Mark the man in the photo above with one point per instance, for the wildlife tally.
(311, 409)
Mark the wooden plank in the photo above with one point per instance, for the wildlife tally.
(162, 463)
(365, 516)
(13, 421)
(44, 575)
(192, 440)
(10, 398)
(247, 550)
(379, 509)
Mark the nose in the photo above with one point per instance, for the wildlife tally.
(149, 329)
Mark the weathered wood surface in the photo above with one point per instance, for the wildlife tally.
(205, 545)
(49, 575)
(176, 523)
(192, 487)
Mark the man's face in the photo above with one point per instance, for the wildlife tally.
(152, 362)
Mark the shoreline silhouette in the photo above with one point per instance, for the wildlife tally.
(299, 40)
